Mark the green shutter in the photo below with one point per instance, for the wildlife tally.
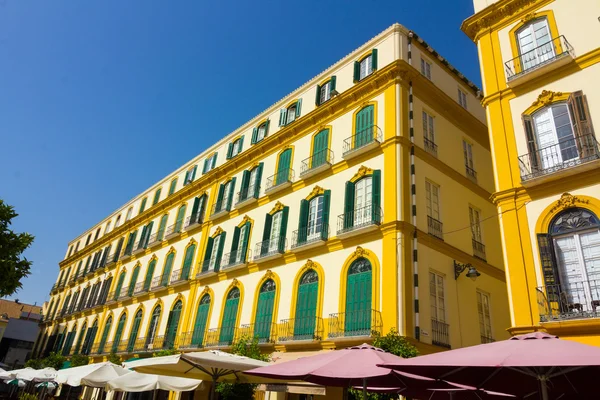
(180, 217)
(187, 262)
(283, 167)
(267, 123)
(143, 205)
(205, 167)
(229, 151)
(173, 186)
(349, 205)
(161, 228)
(358, 303)
(214, 160)
(320, 145)
(551, 275)
(143, 237)
(326, 206)
(172, 325)
(194, 172)
(374, 60)
(306, 311)
(234, 244)
(244, 245)
(356, 71)
(167, 270)
(104, 336)
(119, 333)
(194, 216)
(119, 285)
(266, 234)
(282, 116)
(220, 197)
(149, 275)
(264, 315)
(200, 323)
(220, 251)
(117, 251)
(376, 196)
(241, 145)
(185, 180)
(82, 333)
(258, 180)
(207, 253)
(332, 86)
(231, 191)
(283, 229)
(133, 281)
(318, 96)
(254, 135)
(229, 321)
(148, 233)
(134, 332)
(245, 183)
(156, 196)
(303, 221)
(298, 107)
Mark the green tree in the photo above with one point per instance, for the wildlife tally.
(35, 363)
(392, 343)
(248, 347)
(54, 360)
(166, 352)
(115, 359)
(79, 359)
(13, 267)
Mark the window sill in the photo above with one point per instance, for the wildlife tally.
(220, 213)
(172, 235)
(315, 171)
(561, 173)
(245, 202)
(352, 153)
(542, 69)
(192, 226)
(206, 274)
(234, 266)
(309, 244)
(353, 231)
(155, 243)
(278, 188)
(267, 257)
(138, 251)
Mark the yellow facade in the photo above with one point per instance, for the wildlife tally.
(406, 236)
(539, 63)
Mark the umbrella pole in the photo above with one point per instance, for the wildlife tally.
(364, 388)
(154, 395)
(544, 382)
(213, 389)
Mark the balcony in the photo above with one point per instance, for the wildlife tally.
(359, 220)
(209, 267)
(180, 276)
(220, 208)
(149, 344)
(191, 340)
(479, 250)
(430, 147)
(126, 293)
(471, 173)
(111, 259)
(440, 333)
(247, 196)
(281, 180)
(305, 328)
(557, 159)
(486, 339)
(435, 228)
(265, 332)
(173, 231)
(54, 288)
(112, 297)
(194, 221)
(159, 282)
(119, 347)
(155, 240)
(105, 349)
(362, 142)
(319, 162)
(140, 288)
(310, 236)
(578, 299)
(139, 247)
(220, 337)
(234, 260)
(270, 249)
(539, 61)
(355, 324)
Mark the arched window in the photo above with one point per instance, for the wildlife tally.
(228, 324)
(90, 337)
(260, 132)
(251, 183)
(364, 127)
(358, 299)
(69, 342)
(225, 196)
(306, 306)
(80, 338)
(362, 204)
(172, 325)
(119, 285)
(149, 275)
(180, 218)
(201, 319)
(365, 66)
(105, 335)
(188, 260)
(320, 150)
(160, 234)
(119, 332)
(118, 222)
(132, 283)
(135, 328)
(153, 325)
(263, 323)
(129, 212)
(164, 280)
(284, 165)
(235, 147)
(274, 233)
(535, 44)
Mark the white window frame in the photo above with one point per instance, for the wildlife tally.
(243, 233)
(425, 68)
(325, 92)
(437, 313)
(475, 223)
(288, 114)
(485, 322)
(432, 199)
(261, 132)
(212, 262)
(428, 126)
(315, 217)
(275, 231)
(129, 212)
(365, 67)
(225, 198)
(363, 200)
(462, 98)
(236, 147)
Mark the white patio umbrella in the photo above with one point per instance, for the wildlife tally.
(137, 382)
(94, 375)
(34, 375)
(4, 374)
(17, 382)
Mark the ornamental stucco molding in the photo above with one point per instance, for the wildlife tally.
(495, 14)
(567, 200)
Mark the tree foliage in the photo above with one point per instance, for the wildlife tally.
(54, 360)
(79, 359)
(165, 352)
(35, 363)
(13, 267)
(113, 358)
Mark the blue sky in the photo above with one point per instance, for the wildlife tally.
(100, 99)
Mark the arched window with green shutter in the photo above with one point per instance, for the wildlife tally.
(160, 234)
(358, 299)
(149, 274)
(284, 164)
(180, 218)
(135, 328)
(69, 342)
(306, 306)
(172, 325)
(362, 205)
(164, 280)
(364, 127)
(105, 333)
(320, 152)
(228, 324)
(313, 224)
(80, 338)
(200, 322)
(188, 260)
(119, 332)
(134, 276)
(153, 325)
(239, 244)
(90, 337)
(119, 285)
(264, 311)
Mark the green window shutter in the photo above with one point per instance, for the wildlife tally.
(104, 336)
(161, 227)
(258, 180)
(356, 71)
(234, 244)
(119, 285)
(172, 325)
(306, 310)
(283, 166)
(180, 217)
(194, 216)
(87, 265)
(241, 145)
(267, 123)
(282, 116)
(318, 96)
(193, 173)
(118, 250)
(214, 160)
(349, 205)
(245, 184)
(264, 315)
(134, 332)
(205, 167)
(326, 206)
(148, 233)
(244, 244)
(220, 197)
(229, 151)
(200, 322)
(298, 107)
(167, 270)
(143, 205)
(254, 135)
(209, 247)
(333, 79)
(119, 333)
(376, 196)
(133, 281)
(149, 275)
(187, 261)
(550, 270)
(202, 207)
(320, 145)
(374, 60)
(283, 230)
(303, 221)
(187, 176)
(364, 127)
(156, 196)
(266, 234)
(229, 320)
(231, 191)
(358, 300)
(143, 236)
(220, 251)
(173, 186)
(79, 339)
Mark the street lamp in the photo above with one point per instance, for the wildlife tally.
(471, 273)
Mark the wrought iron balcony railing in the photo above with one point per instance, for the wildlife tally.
(247, 193)
(112, 296)
(471, 173)
(155, 239)
(311, 234)
(120, 346)
(279, 179)
(159, 282)
(479, 250)
(222, 336)
(105, 349)
(435, 228)
(235, 258)
(359, 218)
(371, 135)
(209, 266)
(440, 333)
(304, 328)
(430, 147)
(573, 300)
(567, 153)
(265, 332)
(140, 288)
(355, 323)
(194, 219)
(126, 292)
(320, 159)
(173, 230)
(111, 259)
(191, 340)
(486, 339)
(538, 57)
(222, 206)
(180, 275)
(271, 247)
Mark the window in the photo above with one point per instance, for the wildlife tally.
(475, 220)
(210, 163)
(188, 259)
(153, 325)
(133, 335)
(235, 147)
(436, 297)
(198, 210)
(426, 68)
(239, 245)
(118, 223)
(365, 66)
(172, 325)
(362, 202)
(535, 44)
(133, 281)
(306, 306)
(324, 91)
(214, 252)
(428, 129)
(264, 311)
(143, 205)
(107, 229)
(167, 268)
(251, 183)
(97, 234)
(179, 218)
(119, 332)
(149, 275)
(225, 196)
(200, 322)
(432, 199)
(468, 158)
(485, 321)
(173, 186)
(156, 196)
(71, 250)
(161, 228)
(260, 132)
(77, 247)
(229, 322)
(87, 241)
(315, 217)
(462, 98)
(358, 299)
(129, 212)
(190, 175)
(289, 115)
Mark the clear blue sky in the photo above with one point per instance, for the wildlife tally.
(100, 99)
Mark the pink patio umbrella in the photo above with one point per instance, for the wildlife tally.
(527, 366)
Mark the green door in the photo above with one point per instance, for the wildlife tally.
(119, 286)
(229, 317)
(320, 145)
(119, 333)
(167, 270)
(283, 167)
(149, 274)
(104, 335)
(172, 325)
(306, 306)
(358, 299)
(187, 262)
(200, 323)
(134, 331)
(179, 220)
(264, 312)
(364, 127)
(134, 277)
(80, 339)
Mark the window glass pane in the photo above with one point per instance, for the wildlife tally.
(291, 114)
(275, 231)
(325, 92)
(213, 253)
(225, 199)
(261, 132)
(243, 233)
(315, 217)
(365, 67)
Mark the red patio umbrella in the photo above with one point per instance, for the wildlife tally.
(527, 366)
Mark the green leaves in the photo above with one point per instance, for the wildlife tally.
(79, 359)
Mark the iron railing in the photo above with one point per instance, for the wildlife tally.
(572, 300)
(120, 346)
(191, 340)
(359, 218)
(222, 336)
(320, 158)
(154, 239)
(440, 333)
(362, 138)
(112, 296)
(271, 247)
(355, 323)
(235, 258)
(197, 218)
(250, 192)
(430, 146)
(471, 173)
(486, 339)
(107, 348)
(180, 275)
(139, 245)
(478, 250)
(567, 153)
(111, 259)
(126, 292)
(160, 281)
(544, 54)
(264, 332)
(140, 288)
(435, 228)
(224, 205)
(210, 265)
(310, 234)
(174, 229)
(281, 177)
(304, 328)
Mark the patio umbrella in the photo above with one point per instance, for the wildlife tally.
(529, 366)
(94, 375)
(4, 374)
(137, 382)
(17, 382)
(46, 385)
(34, 375)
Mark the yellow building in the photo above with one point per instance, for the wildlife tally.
(539, 61)
(351, 206)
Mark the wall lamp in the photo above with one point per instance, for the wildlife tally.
(471, 273)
